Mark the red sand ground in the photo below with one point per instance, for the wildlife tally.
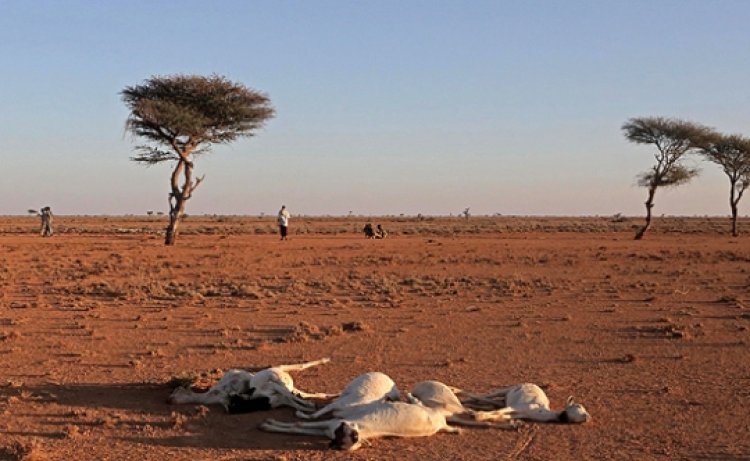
(651, 336)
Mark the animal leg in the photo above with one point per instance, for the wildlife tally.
(498, 394)
(317, 414)
(450, 429)
(481, 406)
(282, 395)
(320, 428)
(316, 395)
(457, 420)
(484, 402)
(303, 366)
(501, 415)
(183, 395)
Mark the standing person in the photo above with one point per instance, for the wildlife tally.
(283, 220)
(46, 215)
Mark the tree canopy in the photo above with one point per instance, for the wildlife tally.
(675, 176)
(672, 137)
(186, 113)
(732, 154)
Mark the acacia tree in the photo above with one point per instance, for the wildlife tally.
(673, 139)
(732, 154)
(180, 117)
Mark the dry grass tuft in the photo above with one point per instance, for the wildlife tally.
(302, 332)
(179, 420)
(72, 432)
(18, 451)
(305, 331)
(6, 335)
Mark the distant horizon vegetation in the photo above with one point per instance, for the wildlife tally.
(272, 216)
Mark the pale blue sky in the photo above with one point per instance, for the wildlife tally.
(383, 107)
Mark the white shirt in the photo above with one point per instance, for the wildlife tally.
(284, 217)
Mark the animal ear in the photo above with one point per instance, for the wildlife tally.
(570, 400)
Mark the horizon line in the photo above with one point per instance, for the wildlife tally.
(400, 215)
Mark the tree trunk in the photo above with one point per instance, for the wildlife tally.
(178, 198)
(171, 231)
(174, 221)
(649, 205)
(733, 205)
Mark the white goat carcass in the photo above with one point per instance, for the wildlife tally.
(367, 388)
(441, 397)
(359, 423)
(240, 391)
(525, 401)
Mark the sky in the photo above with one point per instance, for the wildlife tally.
(383, 107)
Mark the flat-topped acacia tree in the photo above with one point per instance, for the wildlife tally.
(732, 154)
(673, 139)
(181, 116)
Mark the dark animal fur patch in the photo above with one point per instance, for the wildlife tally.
(244, 404)
(338, 438)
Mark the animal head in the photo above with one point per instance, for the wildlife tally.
(574, 412)
(346, 437)
(180, 395)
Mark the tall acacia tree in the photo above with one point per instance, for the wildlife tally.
(732, 154)
(181, 116)
(673, 139)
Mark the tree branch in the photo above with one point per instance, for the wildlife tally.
(197, 182)
(152, 155)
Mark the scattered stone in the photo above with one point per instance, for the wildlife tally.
(350, 327)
